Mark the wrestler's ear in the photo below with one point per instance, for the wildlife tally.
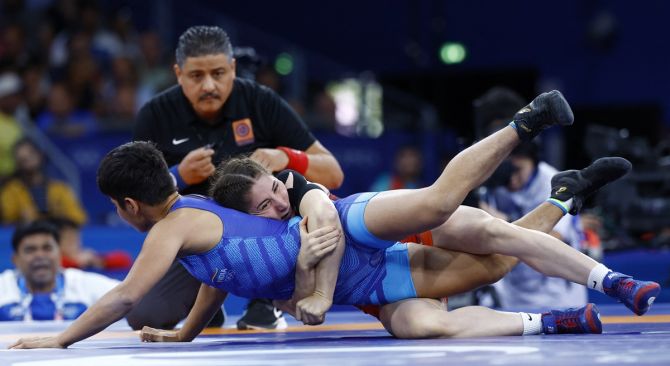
(132, 205)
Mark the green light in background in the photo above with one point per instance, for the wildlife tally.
(284, 64)
(452, 53)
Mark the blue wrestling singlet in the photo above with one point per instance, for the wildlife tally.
(397, 283)
(256, 258)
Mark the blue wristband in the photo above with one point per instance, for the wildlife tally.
(565, 208)
(178, 181)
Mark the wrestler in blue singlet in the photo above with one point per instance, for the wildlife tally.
(256, 257)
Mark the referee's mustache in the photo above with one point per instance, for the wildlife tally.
(209, 95)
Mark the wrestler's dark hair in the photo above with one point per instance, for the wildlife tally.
(135, 170)
(32, 228)
(233, 180)
(202, 40)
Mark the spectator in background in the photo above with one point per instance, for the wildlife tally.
(124, 72)
(13, 50)
(527, 185)
(10, 130)
(62, 118)
(84, 33)
(75, 255)
(407, 170)
(31, 194)
(38, 289)
(12, 10)
(122, 112)
(121, 89)
(321, 115)
(153, 69)
(84, 77)
(123, 29)
(36, 87)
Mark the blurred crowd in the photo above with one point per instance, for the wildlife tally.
(68, 70)
(71, 69)
(74, 69)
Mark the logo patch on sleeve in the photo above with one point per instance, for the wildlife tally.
(243, 132)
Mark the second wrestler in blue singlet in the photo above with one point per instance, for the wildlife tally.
(256, 257)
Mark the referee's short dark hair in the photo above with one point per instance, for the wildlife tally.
(202, 40)
(32, 228)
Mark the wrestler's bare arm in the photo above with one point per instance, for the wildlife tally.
(159, 250)
(207, 303)
(320, 211)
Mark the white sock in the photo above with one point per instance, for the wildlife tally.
(597, 276)
(532, 323)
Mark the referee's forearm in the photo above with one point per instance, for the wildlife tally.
(323, 168)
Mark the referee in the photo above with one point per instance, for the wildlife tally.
(209, 116)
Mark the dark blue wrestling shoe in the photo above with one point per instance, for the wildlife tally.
(584, 320)
(636, 295)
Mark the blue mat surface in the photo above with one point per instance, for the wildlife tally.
(626, 340)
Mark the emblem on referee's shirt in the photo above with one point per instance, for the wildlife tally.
(243, 132)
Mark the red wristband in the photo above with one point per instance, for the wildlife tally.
(297, 160)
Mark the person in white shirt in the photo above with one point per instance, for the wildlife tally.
(528, 186)
(522, 183)
(38, 289)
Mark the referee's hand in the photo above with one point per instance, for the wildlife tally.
(271, 159)
(197, 166)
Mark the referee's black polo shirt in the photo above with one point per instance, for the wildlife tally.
(253, 117)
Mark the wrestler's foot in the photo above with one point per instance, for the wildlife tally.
(578, 185)
(261, 314)
(572, 321)
(636, 295)
(544, 111)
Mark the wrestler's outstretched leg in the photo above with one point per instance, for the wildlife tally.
(393, 215)
(431, 320)
(472, 230)
(411, 318)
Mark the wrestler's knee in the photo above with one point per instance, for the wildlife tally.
(411, 327)
(441, 325)
(437, 210)
(500, 265)
(494, 233)
(413, 319)
(488, 269)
